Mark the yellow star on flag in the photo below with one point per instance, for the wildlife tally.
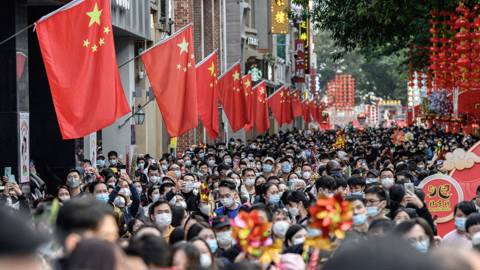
(212, 69)
(101, 42)
(183, 46)
(179, 66)
(262, 91)
(94, 48)
(106, 30)
(236, 76)
(248, 83)
(94, 15)
(86, 43)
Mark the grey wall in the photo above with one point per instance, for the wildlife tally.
(233, 32)
(135, 21)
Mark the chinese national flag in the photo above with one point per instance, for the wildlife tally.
(170, 67)
(280, 107)
(207, 88)
(314, 111)
(287, 108)
(296, 105)
(306, 112)
(77, 47)
(260, 118)
(248, 92)
(233, 98)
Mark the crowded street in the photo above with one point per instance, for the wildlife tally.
(239, 135)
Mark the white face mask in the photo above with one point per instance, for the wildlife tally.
(280, 228)
(64, 198)
(227, 202)
(224, 239)
(306, 175)
(298, 241)
(205, 209)
(163, 219)
(387, 182)
(205, 260)
(125, 191)
(155, 197)
(250, 181)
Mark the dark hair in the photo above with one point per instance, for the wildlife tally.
(80, 214)
(152, 249)
(191, 252)
(352, 198)
(131, 223)
(382, 225)
(153, 167)
(326, 182)
(177, 235)
(112, 153)
(404, 227)
(195, 230)
(263, 190)
(380, 192)
(411, 212)
(206, 244)
(93, 253)
(356, 180)
(466, 207)
(298, 196)
(341, 182)
(228, 184)
(151, 209)
(473, 219)
(91, 186)
(292, 230)
(178, 214)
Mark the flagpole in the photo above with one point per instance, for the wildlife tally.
(16, 34)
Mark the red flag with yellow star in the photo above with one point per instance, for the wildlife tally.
(248, 92)
(296, 104)
(170, 67)
(77, 47)
(306, 111)
(280, 106)
(233, 98)
(261, 119)
(207, 94)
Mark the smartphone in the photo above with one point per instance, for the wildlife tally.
(410, 187)
(11, 178)
(122, 171)
(7, 172)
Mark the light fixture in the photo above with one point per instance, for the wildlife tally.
(139, 116)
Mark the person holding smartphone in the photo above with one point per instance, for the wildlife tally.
(13, 196)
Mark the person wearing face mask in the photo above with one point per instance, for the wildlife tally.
(175, 168)
(188, 189)
(356, 184)
(294, 238)
(160, 213)
(223, 233)
(100, 163)
(271, 194)
(113, 160)
(130, 207)
(229, 199)
(267, 167)
(280, 223)
(372, 177)
(154, 175)
(211, 161)
(207, 260)
(297, 205)
(458, 237)
(63, 194)
(286, 168)
(74, 182)
(417, 232)
(376, 202)
(307, 173)
(359, 219)
(387, 178)
(248, 176)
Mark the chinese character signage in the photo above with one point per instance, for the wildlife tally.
(304, 34)
(299, 61)
(279, 18)
(442, 193)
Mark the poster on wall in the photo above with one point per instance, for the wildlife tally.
(93, 146)
(24, 146)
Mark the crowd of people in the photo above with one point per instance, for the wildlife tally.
(161, 216)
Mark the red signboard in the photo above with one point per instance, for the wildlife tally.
(442, 193)
(300, 61)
